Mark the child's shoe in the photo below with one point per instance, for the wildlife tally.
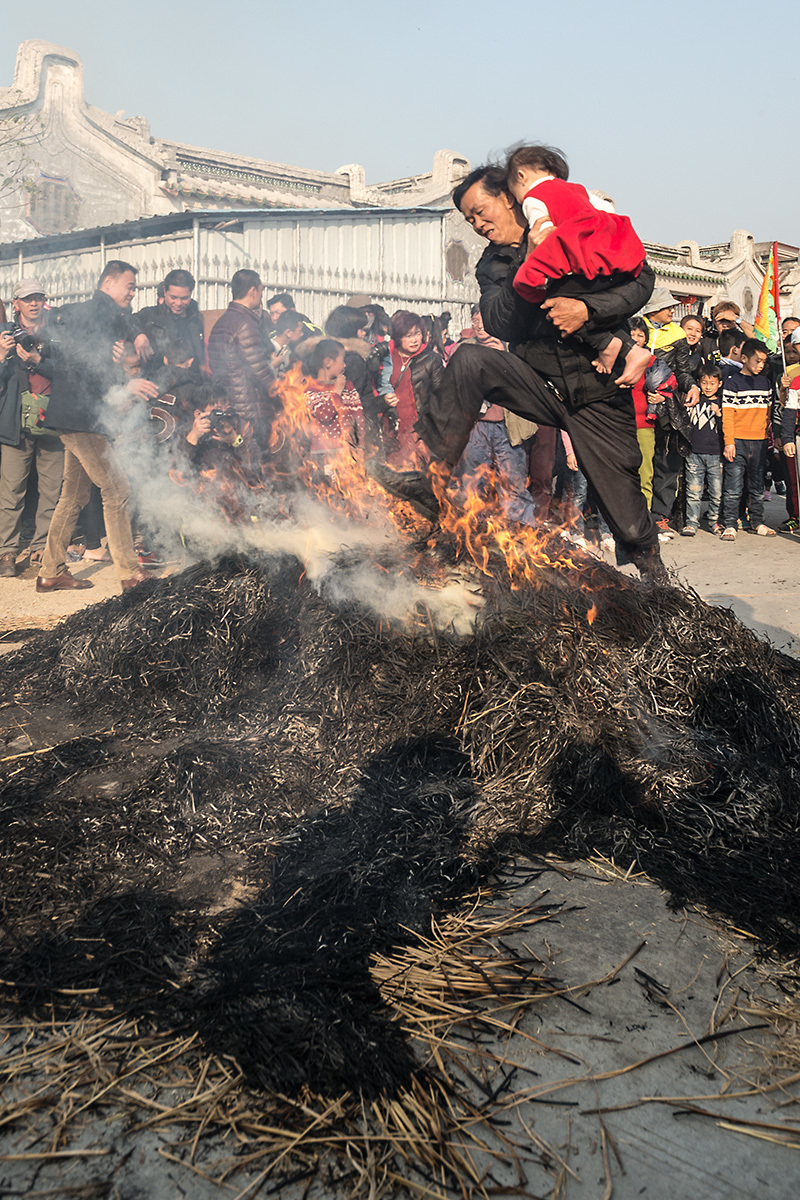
(791, 525)
(767, 495)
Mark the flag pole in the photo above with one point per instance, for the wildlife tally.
(776, 296)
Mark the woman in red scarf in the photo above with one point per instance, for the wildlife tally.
(409, 374)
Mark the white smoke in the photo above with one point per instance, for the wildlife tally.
(344, 560)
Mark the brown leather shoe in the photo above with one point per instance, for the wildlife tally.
(61, 583)
(140, 577)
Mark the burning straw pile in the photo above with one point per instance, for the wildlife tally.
(241, 801)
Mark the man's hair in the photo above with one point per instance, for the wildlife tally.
(540, 158)
(344, 322)
(380, 321)
(753, 346)
(785, 319)
(730, 338)
(724, 306)
(403, 322)
(243, 281)
(692, 317)
(179, 278)
(212, 392)
(314, 360)
(288, 320)
(282, 298)
(710, 371)
(490, 176)
(115, 268)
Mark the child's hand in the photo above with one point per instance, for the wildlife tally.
(716, 410)
(730, 452)
(572, 462)
(538, 232)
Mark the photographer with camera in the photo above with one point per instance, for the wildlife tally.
(212, 421)
(25, 377)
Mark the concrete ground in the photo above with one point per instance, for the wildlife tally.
(596, 1111)
(757, 577)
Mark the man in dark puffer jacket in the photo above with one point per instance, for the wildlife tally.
(239, 358)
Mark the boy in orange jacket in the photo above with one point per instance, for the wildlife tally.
(746, 406)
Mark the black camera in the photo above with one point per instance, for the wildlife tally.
(225, 426)
(222, 421)
(26, 341)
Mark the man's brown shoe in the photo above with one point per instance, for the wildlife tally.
(140, 577)
(61, 583)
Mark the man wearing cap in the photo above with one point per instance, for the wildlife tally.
(658, 314)
(24, 353)
(667, 340)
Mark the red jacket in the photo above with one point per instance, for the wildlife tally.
(586, 241)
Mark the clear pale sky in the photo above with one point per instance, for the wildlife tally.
(652, 102)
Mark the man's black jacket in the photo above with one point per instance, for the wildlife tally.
(82, 364)
(176, 339)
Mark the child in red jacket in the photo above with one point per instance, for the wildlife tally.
(586, 237)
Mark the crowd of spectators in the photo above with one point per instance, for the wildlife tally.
(715, 414)
(716, 421)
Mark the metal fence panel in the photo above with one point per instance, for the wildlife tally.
(322, 259)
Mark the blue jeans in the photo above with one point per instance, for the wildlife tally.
(702, 469)
(489, 449)
(746, 469)
(575, 485)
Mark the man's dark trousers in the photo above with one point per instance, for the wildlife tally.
(603, 437)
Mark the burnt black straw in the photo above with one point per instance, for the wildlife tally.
(240, 791)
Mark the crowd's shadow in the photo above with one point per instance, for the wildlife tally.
(285, 986)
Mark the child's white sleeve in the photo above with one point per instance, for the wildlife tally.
(534, 209)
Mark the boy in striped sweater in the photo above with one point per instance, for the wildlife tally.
(746, 406)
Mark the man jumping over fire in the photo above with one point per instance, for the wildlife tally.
(549, 378)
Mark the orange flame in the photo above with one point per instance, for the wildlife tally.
(474, 517)
(470, 512)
